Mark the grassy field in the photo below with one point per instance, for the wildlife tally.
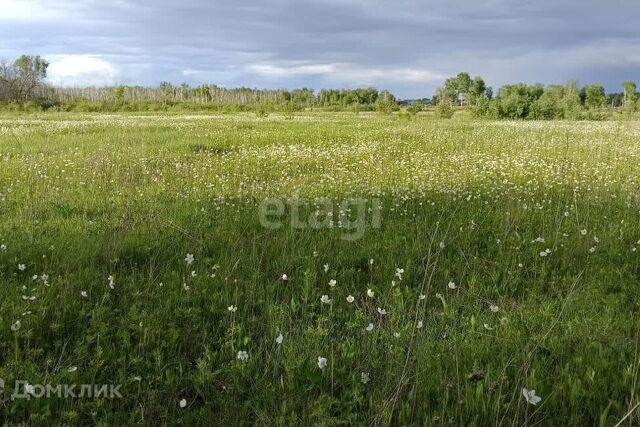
(417, 271)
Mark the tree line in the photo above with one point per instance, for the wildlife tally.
(525, 101)
(23, 85)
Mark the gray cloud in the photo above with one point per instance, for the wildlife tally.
(407, 46)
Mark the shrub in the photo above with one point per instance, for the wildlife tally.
(444, 109)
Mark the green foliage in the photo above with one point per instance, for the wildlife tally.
(515, 101)
(31, 68)
(415, 107)
(522, 101)
(462, 90)
(289, 110)
(386, 103)
(347, 97)
(444, 109)
(549, 105)
(118, 95)
(595, 96)
(630, 97)
(571, 107)
(483, 107)
(629, 91)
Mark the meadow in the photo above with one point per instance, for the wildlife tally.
(495, 258)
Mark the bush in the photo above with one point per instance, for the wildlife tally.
(482, 107)
(444, 109)
(415, 108)
(386, 106)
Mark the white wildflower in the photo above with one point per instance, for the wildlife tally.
(530, 396)
(364, 377)
(322, 362)
(242, 356)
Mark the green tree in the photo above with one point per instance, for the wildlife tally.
(571, 100)
(118, 94)
(444, 109)
(595, 96)
(629, 96)
(477, 90)
(30, 72)
(386, 102)
(458, 89)
(515, 101)
(549, 105)
(629, 91)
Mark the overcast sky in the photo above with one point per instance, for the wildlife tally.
(406, 46)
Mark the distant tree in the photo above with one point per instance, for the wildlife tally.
(21, 80)
(444, 108)
(489, 92)
(415, 107)
(515, 101)
(549, 105)
(458, 89)
(302, 97)
(118, 94)
(477, 89)
(482, 107)
(629, 96)
(386, 102)
(595, 96)
(615, 99)
(31, 70)
(629, 91)
(168, 91)
(571, 100)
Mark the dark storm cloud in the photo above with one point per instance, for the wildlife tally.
(407, 46)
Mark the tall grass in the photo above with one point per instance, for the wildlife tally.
(506, 258)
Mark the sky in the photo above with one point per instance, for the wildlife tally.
(406, 46)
